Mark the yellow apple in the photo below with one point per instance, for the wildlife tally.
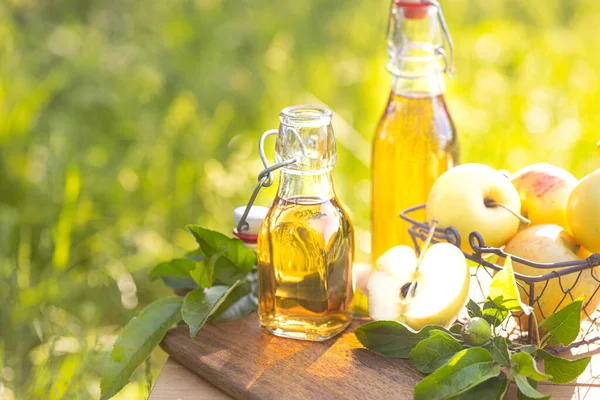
(468, 196)
(544, 190)
(441, 286)
(551, 244)
(583, 212)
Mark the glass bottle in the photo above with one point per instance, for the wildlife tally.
(306, 243)
(415, 141)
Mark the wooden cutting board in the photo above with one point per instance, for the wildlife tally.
(249, 364)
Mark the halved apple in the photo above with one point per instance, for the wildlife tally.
(432, 294)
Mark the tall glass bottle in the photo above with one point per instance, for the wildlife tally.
(415, 141)
(306, 243)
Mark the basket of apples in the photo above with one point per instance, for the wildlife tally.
(530, 291)
(545, 221)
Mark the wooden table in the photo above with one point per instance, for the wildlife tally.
(177, 383)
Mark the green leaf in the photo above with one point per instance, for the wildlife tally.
(456, 329)
(561, 369)
(474, 309)
(530, 348)
(237, 255)
(203, 274)
(492, 389)
(179, 267)
(563, 326)
(240, 302)
(225, 274)
(196, 255)
(137, 340)
(498, 348)
(433, 352)
(504, 291)
(204, 271)
(392, 338)
(526, 389)
(525, 366)
(493, 313)
(464, 371)
(201, 303)
(177, 283)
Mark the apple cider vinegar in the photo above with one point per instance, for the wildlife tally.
(306, 276)
(414, 144)
(306, 242)
(415, 141)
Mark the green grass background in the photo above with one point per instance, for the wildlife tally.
(122, 121)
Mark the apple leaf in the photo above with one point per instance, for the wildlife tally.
(492, 389)
(563, 326)
(561, 369)
(236, 255)
(179, 267)
(196, 255)
(498, 348)
(204, 271)
(467, 369)
(177, 283)
(201, 303)
(528, 348)
(456, 329)
(137, 340)
(239, 303)
(527, 388)
(504, 291)
(474, 309)
(493, 313)
(433, 352)
(392, 338)
(525, 366)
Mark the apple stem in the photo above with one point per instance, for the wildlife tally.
(510, 210)
(536, 330)
(413, 285)
(427, 242)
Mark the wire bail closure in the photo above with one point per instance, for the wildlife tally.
(264, 177)
(439, 51)
(449, 61)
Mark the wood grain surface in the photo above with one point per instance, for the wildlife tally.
(246, 363)
(249, 364)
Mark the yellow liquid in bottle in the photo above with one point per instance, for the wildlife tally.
(414, 144)
(305, 249)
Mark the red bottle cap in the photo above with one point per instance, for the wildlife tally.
(254, 220)
(251, 239)
(413, 9)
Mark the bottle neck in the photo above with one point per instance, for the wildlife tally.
(318, 186)
(416, 41)
(431, 84)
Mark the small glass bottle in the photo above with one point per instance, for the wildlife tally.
(415, 141)
(306, 243)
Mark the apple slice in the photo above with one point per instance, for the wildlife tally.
(393, 270)
(433, 293)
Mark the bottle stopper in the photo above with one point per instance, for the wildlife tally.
(413, 9)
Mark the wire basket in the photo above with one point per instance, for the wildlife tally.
(518, 327)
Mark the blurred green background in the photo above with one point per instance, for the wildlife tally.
(122, 121)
